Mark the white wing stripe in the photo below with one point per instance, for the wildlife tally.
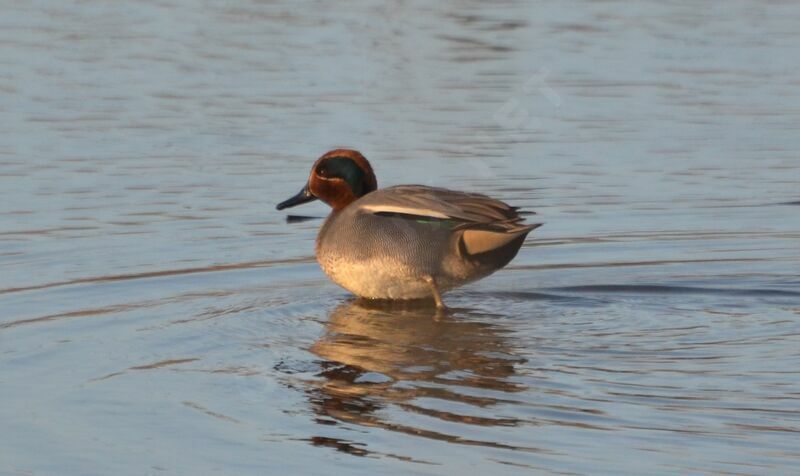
(426, 212)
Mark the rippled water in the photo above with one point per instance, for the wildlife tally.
(157, 316)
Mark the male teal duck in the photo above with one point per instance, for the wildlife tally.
(406, 241)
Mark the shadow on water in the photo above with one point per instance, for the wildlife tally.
(379, 355)
(300, 218)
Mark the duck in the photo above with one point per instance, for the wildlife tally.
(405, 242)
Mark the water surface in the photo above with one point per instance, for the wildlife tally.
(157, 316)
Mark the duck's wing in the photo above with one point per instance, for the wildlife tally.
(487, 223)
(461, 209)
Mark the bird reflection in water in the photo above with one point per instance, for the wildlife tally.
(380, 355)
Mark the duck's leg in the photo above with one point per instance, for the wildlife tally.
(437, 296)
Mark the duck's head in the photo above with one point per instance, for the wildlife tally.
(338, 178)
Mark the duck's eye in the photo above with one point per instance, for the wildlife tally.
(323, 171)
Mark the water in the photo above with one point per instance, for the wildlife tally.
(157, 316)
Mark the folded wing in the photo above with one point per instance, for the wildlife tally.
(487, 224)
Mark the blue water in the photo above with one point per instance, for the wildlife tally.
(158, 316)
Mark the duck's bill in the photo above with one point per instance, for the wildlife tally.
(303, 197)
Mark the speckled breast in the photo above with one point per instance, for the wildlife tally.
(380, 258)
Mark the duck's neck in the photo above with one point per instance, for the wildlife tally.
(338, 199)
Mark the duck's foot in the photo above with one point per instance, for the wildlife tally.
(437, 296)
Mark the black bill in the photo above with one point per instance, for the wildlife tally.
(303, 197)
